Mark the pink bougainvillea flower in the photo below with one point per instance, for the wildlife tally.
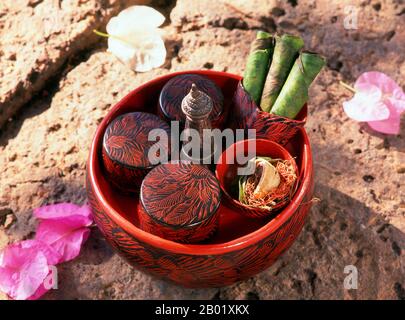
(52, 256)
(67, 241)
(23, 270)
(69, 213)
(378, 100)
(26, 268)
(366, 104)
(51, 281)
(64, 228)
(40, 291)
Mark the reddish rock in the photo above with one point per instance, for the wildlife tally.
(40, 38)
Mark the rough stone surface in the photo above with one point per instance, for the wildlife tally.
(38, 38)
(360, 218)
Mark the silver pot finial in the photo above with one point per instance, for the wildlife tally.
(196, 104)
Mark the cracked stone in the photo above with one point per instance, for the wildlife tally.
(37, 40)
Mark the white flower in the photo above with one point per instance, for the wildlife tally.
(135, 38)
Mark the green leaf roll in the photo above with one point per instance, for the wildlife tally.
(294, 93)
(257, 65)
(242, 183)
(286, 51)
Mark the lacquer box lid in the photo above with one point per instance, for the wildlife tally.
(180, 201)
(126, 148)
(178, 87)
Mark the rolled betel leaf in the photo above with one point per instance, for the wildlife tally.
(294, 93)
(286, 51)
(257, 65)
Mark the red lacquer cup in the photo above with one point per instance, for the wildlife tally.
(227, 173)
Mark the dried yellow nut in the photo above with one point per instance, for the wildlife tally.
(269, 180)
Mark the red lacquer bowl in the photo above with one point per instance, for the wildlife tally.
(226, 173)
(240, 248)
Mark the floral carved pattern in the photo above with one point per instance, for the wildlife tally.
(179, 202)
(180, 193)
(126, 148)
(126, 138)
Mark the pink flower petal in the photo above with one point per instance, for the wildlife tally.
(70, 213)
(39, 293)
(22, 271)
(25, 266)
(378, 79)
(52, 256)
(366, 105)
(379, 101)
(56, 211)
(67, 241)
(50, 282)
(398, 104)
(390, 126)
(399, 94)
